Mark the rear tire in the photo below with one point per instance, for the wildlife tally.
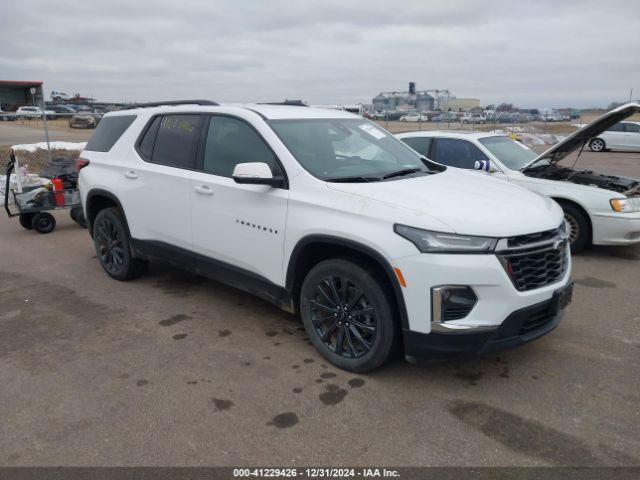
(579, 231)
(597, 145)
(26, 220)
(43, 222)
(113, 246)
(348, 314)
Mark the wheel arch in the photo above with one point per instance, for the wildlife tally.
(312, 249)
(574, 203)
(99, 199)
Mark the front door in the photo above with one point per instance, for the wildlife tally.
(240, 225)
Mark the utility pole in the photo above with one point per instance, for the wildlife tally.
(631, 94)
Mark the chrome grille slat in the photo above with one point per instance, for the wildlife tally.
(530, 266)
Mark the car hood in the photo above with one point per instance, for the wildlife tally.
(470, 203)
(591, 130)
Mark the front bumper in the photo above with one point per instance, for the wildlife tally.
(497, 296)
(616, 228)
(519, 327)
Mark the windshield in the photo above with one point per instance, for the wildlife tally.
(347, 149)
(511, 153)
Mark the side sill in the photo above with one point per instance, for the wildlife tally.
(216, 270)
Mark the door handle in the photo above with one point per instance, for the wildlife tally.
(131, 174)
(204, 190)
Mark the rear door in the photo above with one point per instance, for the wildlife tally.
(459, 153)
(632, 136)
(614, 137)
(240, 225)
(155, 193)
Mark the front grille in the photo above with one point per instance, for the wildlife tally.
(523, 240)
(535, 260)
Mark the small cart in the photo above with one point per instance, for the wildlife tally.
(34, 203)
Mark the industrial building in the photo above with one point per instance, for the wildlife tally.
(16, 93)
(455, 104)
(422, 101)
(403, 101)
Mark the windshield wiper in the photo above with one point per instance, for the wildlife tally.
(354, 179)
(400, 173)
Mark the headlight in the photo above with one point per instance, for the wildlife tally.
(625, 205)
(439, 242)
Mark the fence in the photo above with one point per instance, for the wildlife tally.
(56, 135)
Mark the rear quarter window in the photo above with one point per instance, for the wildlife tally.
(109, 130)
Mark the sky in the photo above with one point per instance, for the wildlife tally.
(530, 53)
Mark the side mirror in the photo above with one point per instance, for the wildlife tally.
(484, 165)
(255, 173)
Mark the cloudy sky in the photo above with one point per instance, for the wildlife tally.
(533, 53)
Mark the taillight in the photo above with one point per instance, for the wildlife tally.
(81, 163)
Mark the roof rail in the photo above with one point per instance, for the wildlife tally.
(290, 103)
(171, 102)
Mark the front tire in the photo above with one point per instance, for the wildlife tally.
(597, 145)
(348, 314)
(113, 246)
(579, 231)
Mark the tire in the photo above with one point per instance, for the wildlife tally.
(26, 220)
(579, 231)
(113, 246)
(43, 222)
(597, 145)
(77, 215)
(357, 343)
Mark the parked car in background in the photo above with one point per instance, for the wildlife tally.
(61, 109)
(84, 120)
(34, 112)
(446, 117)
(623, 136)
(473, 118)
(599, 209)
(414, 117)
(6, 117)
(324, 213)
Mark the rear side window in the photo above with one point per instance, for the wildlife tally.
(632, 127)
(109, 130)
(175, 141)
(419, 144)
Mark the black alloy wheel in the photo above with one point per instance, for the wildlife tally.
(113, 247)
(343, 317)
(109, 245)
(349, 313)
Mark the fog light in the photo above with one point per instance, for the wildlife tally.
(451, 302)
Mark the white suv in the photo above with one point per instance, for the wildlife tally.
(324, 213)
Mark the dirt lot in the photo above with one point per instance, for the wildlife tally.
(173, 369)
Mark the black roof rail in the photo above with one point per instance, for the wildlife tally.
(171, 102)
(290, 103)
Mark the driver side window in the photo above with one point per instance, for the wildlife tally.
(454, 152)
